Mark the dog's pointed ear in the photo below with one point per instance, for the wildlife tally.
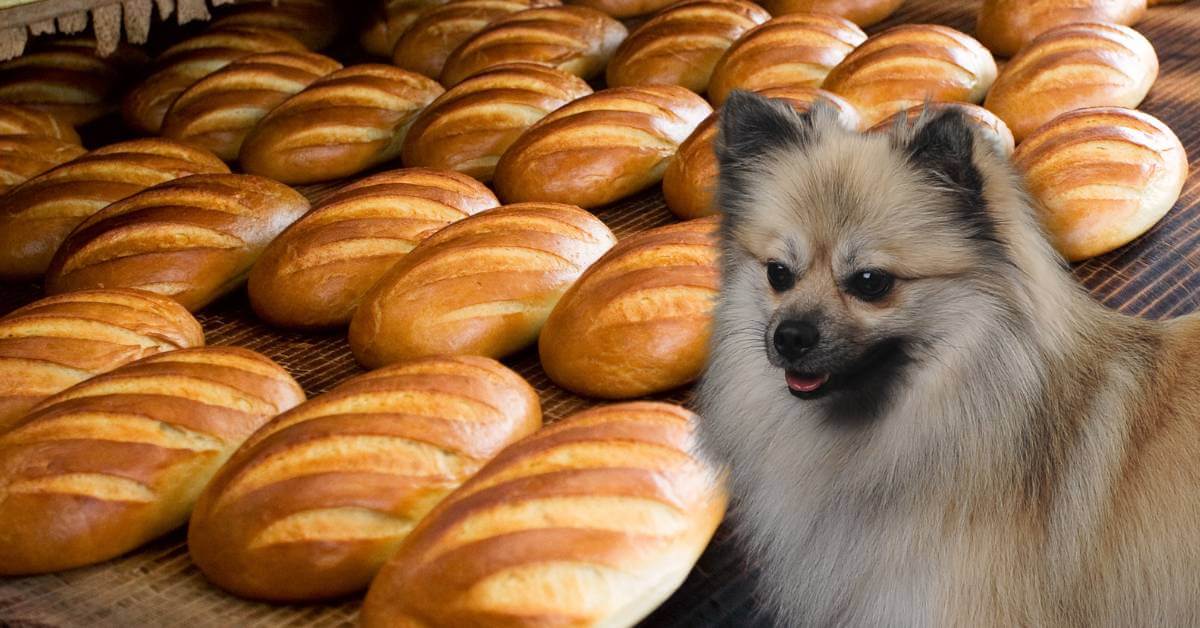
(751, 125)
(944, 145)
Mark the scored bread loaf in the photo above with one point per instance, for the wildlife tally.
(218, 111)
(591, 521)
(315, 502)
(192, 239)
(315, 23)
(1073, 67)
(1101, 177)
(1004, 26)
(681, 45)
(624, 9)
(65, 77)
(600, 148)
(57, 342)
(118, 460)
(181, 65)
(473, 123)
(18, 120)
(315, 273)
(689, 179)
(388, 22)
(424, 47)
(862, 12)
(908, 65)
(990, 127)
(795, 50)
(23, 157)
(638, 321)
(340, 125)
(573, 39)
(481, 286)
(36, 216)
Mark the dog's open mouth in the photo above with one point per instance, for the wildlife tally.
(806, 385)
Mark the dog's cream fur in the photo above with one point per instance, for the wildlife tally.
(1039, 463)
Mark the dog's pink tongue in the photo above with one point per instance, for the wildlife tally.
(802, 383)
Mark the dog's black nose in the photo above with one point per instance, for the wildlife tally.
(794, 338)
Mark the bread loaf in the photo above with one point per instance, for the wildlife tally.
(689, 179)
(1073, 67)
(681, 45)
(389, 20)
(17, 120)
(1004, 26)
(183, 64)
(624, 9)
(790, 51)
(316, 272)
(320, 497)
(600, 148)
(572, 39)
(57, 342)
(481, 286)
(1102, 177)
(192, 239)
(862, 12)
(989, 126)
(340, 125)
(36, 217)
(64, 77)
(23, 157)
(470, 126)
(218, 111)
(638, 321)
(909, 65)
(315, 23)
(424, 47)
(592, 521)
(111, 463)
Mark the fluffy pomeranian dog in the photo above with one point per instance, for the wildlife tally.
(926, 419)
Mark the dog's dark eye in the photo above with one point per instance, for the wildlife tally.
(780, 276)
(869, 285)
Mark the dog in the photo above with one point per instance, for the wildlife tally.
(925, 419)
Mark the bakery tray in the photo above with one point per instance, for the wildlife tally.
(1157, 276)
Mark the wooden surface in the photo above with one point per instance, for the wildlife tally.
(1158, 277)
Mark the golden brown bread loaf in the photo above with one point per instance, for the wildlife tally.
(473, 123)
(340, 125)
(909, 65)
(861, 12)
(795, 50)
(218, 111)
(315, 273)
(57, 342)
(315, 23)
(388, 21)
(36, 216)
(681, 45)
(17, 120)
(689, 179)
(573, 39)
(181, 65)
(1102, 177)
(1073, 67)
(638, 321)
(65, 77)
(624, 9)
(989, 126)
(592, 521)
(314, 503)
(424, 47)
(23, 157)
(115, 461)
(1004, 26)
(481, 286)
(192, 239)
(600, 148)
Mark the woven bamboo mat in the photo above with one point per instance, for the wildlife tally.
(1158, 277)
